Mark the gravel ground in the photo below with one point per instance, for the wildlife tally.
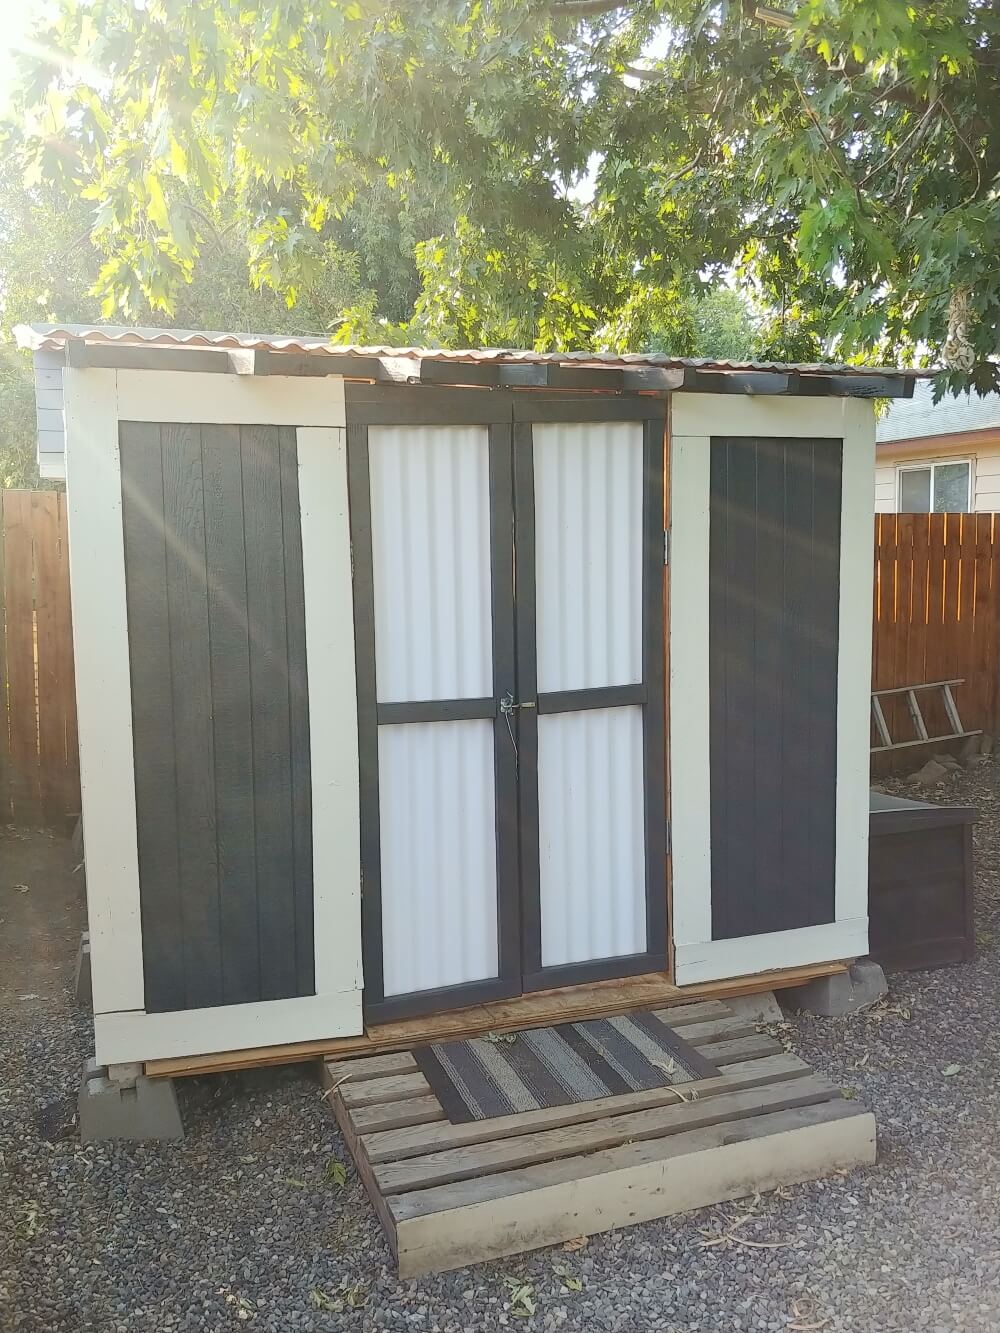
(252, 1220)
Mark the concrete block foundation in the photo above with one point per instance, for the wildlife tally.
(844, 993)
(144, 1110)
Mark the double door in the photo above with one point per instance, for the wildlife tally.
(508, 566)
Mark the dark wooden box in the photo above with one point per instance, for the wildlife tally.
(920, 884)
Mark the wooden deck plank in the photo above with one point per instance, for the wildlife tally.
(361, 1067)
(477, 1220)
(723, 1053)
(378, 1091)
(398, 1115)
(716, 1029)
(511, 1154)
(399, 1144)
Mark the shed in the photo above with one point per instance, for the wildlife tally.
(418, 685)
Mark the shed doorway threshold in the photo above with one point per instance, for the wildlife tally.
(599, 999)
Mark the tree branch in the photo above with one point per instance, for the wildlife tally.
(644, 75)
(582, 8)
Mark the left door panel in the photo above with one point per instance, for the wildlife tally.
(433, 553)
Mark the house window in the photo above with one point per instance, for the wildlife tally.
(936, 488)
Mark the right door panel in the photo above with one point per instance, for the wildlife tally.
(589, 588)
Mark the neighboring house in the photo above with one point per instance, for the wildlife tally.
(938, 457)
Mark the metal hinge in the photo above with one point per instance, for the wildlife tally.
(666, 546)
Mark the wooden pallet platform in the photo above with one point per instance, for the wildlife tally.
(454, 1194)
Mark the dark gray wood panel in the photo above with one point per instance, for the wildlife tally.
(152, 713)
(232, 714)
(773, 630)
(216, 612)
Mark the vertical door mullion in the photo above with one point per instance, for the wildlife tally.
(505, 756)
(527, 693)
(359, 490)
(654, 710)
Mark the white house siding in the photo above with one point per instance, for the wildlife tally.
(982, 448)
(918, 430)
(885, 490)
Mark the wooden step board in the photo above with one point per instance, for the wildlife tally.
(454, 1194)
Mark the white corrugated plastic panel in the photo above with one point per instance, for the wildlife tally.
(591, 835)
(588, 561)
(430, 499)
(438, 843)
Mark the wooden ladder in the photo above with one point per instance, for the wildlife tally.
(917, 717)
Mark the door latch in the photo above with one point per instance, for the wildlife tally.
(508, 704)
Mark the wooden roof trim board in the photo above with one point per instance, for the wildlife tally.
(112, 346)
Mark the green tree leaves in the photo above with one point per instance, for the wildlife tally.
(574, 172)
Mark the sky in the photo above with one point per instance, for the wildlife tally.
(15, 21)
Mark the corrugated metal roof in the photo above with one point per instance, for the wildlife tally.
(52, 337)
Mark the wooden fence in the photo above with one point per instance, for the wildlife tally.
(937, 592)
(39, 769)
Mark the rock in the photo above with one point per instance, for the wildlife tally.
(977, 760)
(985, 744)
(970, 746)
(947, 761)
(931, 773)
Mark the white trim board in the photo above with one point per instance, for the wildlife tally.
(96, 401)
(719, 959)
(695, 419)
(125, 1038)
(230, 400)
(333, 708)
(103, 687)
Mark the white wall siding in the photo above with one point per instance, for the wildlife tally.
(431, 557)
(438, 840)
(590, 816)
(885, 490)
(588, 525)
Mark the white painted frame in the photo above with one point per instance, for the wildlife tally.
(931, 465)
(96, 401)
(695, 418)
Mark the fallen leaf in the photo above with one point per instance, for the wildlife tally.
(336, 1172)
(949, 1071)
(577, 1243)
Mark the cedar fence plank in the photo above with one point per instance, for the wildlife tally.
(66, 672)
(44, 517)
(6, 797)
(21, 689)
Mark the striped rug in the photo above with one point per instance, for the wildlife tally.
(502, 1074)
